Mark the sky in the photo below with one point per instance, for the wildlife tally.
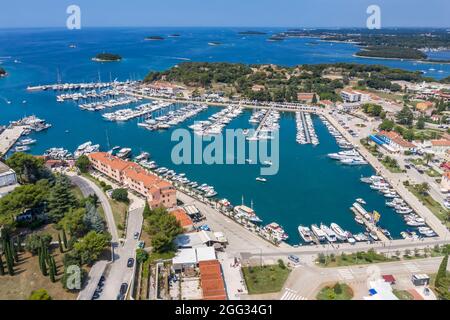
(222, 13)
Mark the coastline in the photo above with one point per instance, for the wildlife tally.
(102, 60)
(402, 59)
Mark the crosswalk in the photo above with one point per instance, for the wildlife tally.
(346, 274)
(290, 294)
(412, 267)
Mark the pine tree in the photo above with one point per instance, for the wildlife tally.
(64, 238)
(2, 269)
(61, 249)
(93, 220)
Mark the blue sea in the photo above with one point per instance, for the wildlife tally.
(309, 188)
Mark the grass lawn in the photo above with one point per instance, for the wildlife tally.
(391, 168)
(403, 294)
(28, 277)
(432, 205)
(352, 259)
(154, 256)
(265, 279)
(433, 173)
(339, 291)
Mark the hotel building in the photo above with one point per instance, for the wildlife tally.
(158, 192)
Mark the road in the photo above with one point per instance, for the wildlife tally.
(117, 272)
(88, 187)
(305, 281)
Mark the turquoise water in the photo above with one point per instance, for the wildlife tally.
(309, 187)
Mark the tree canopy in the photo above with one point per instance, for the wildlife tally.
(28, 168)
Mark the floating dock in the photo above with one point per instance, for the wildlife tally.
(358, 210)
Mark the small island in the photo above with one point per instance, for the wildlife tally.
(214, 43)
(107, 57)
(154, 38)
(3, 73)
(174, 35)
(252, 33)
(276, 38)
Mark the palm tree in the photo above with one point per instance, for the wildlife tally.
(428, 157)
(423, 188)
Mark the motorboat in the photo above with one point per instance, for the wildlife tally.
(261, 179)
(330, 235)
(340, 233)
(361, 201)
(359, 220)
(305, 234)
(318, 233)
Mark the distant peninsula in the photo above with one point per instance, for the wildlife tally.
(252, 33)
(391, 53)
(107, 57)
(3, 73)
(276, 38)
(154, 38)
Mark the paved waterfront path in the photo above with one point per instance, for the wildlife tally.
(9, 137)
(396, 182)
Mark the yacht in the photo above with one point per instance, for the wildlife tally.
(359, 220)
(427, 232)
(318, 233)
(276, 231)
(340, 233)
(305, 233)
(261, 179)
(143, 156)
(361, 201)
(344, 155)
(27, 141)
(124, 153)
(21, 148)
(246, 213)
(373, 235)
(357, 161)
(330, 235)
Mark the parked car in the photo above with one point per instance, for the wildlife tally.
(136, 235)
(130, 263)
(294, 259)
(123, 288)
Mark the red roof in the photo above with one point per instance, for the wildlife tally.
(182, 217)
(211, 280)
(398, 139)
(389, 278)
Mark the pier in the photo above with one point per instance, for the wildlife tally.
(373, 228)
(9, 137)
(305, 128)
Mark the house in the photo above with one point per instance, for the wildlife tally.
(200, 239)
(258, 88)
(425, 107)
(158, 192)
(183, 218)
(7, 176)
(306, 97)
(445, 182)
(189, 258)
(440, 146)
(394, 142)
(352, 96)
(211, 280)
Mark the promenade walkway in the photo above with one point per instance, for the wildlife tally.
(9, 137)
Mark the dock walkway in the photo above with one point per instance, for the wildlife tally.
(305, 128)
(370, 226)
(9, 137)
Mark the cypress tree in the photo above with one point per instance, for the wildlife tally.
(2, 269)
(64, 238)
(9, 261)
(61, 249)
(55, 270)
(51, 271)
(44, 268)
(14, 251)
(442, 272)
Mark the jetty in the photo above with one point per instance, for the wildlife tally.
(363, 214)
(9, 137)
(305, 127)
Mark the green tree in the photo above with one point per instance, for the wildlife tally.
(91, 246)
(405, 116)
(423, 188)
(146, 213)
(28, 168)
(61, 198)
(83, 164)
(73, 222)
(442, 271)
(387, 125)
(120, 194)
(60, 245)
(428, 157)
(2, 268)
(64, 238)
(92, 219)
(141, 255)
(40, 294)
(35, 241)
(420, 123)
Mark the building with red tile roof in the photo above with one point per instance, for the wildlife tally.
(183, 218)
(211, 280)
(158, 192)
(396, 141)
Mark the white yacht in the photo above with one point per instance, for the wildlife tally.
(261, 179)
(318, 233)
(340, 233)
(305, 233)
(330, 235)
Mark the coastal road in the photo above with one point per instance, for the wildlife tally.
(305, 281)
(88, 187)
(118, 272)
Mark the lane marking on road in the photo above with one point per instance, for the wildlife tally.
(290, 294)
(346, 274)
